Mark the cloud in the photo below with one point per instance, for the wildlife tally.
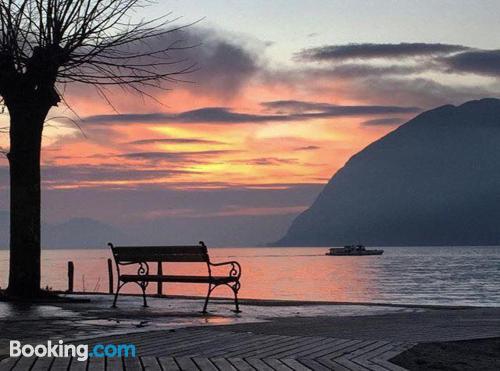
(295, 106)
(358, 70)
(225, 61)
(298, 111)
(175, 156)
(371, 51)
(267, 161)
(220, 64)
(423, 92)
(394, 74)
(307, 148)
(221, 114)
(198, 116)
(308, 110)
(482, 62)
(384, 121)
(411, 72)
(174, 141)
(78, 174)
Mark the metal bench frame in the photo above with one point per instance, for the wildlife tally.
(232, 280)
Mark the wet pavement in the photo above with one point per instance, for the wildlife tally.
(266, 335)
(71, 321)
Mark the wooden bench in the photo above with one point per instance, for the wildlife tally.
(142, 255)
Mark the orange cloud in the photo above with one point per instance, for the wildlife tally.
(208, 153)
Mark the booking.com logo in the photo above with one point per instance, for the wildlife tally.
(80, 351)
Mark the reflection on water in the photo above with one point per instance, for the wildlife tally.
(417, 275)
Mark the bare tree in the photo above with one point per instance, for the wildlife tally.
(45, 44)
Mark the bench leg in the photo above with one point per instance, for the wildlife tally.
(118, 287)
(236, 288)
(210, 289)
(143, 287)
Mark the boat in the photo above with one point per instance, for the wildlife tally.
(353, 250)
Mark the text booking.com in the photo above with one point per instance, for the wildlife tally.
(81, 352)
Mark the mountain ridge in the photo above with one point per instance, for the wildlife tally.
(432, 181)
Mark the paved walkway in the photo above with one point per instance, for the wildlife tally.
(423, 326)
(31, 323)
(205, 349)
(172, 335)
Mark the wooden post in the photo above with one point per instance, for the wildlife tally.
(71, 276)
(110, 275)
(160, 284)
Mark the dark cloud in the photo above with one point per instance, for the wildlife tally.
(76, 174)
(79, 173)
(308, 110)
(190, 156)
(220, 114)
(369, 51)
(127, 118)
(225, 62)
(295, 106)
(420, 91)
(219, 64)
(384, 121)
(414, 80)
(482, 62)
(202, 115)
(267, 161)
(297, 111)
(174, 141)
(307, 148)
(358, 70)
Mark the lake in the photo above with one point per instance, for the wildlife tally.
(406, 275)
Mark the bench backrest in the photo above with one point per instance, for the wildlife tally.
(138, 254)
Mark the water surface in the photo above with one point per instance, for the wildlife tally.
(409, 275)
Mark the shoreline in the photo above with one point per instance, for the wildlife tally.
(291, 302)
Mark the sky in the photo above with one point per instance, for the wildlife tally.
(284, 93)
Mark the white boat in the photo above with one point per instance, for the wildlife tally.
(352, 250)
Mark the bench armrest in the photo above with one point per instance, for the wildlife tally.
(235, 268)
(142, 267)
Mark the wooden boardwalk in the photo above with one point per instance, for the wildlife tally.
(215, 350)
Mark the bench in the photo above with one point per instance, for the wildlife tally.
(142, 255)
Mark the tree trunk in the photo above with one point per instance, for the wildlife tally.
(25, 199)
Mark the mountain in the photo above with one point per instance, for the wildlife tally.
(433, 181)
(80, 233)
(74, 233)
(218, 231)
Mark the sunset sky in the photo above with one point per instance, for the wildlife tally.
(284, 93)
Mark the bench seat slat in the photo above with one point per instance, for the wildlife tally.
(187, 258)
(181, 279)
(160, 253)
(160, 249)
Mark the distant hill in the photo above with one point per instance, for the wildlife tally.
(74, 233)
(80, 233)
(433, 181)
(220, 231)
